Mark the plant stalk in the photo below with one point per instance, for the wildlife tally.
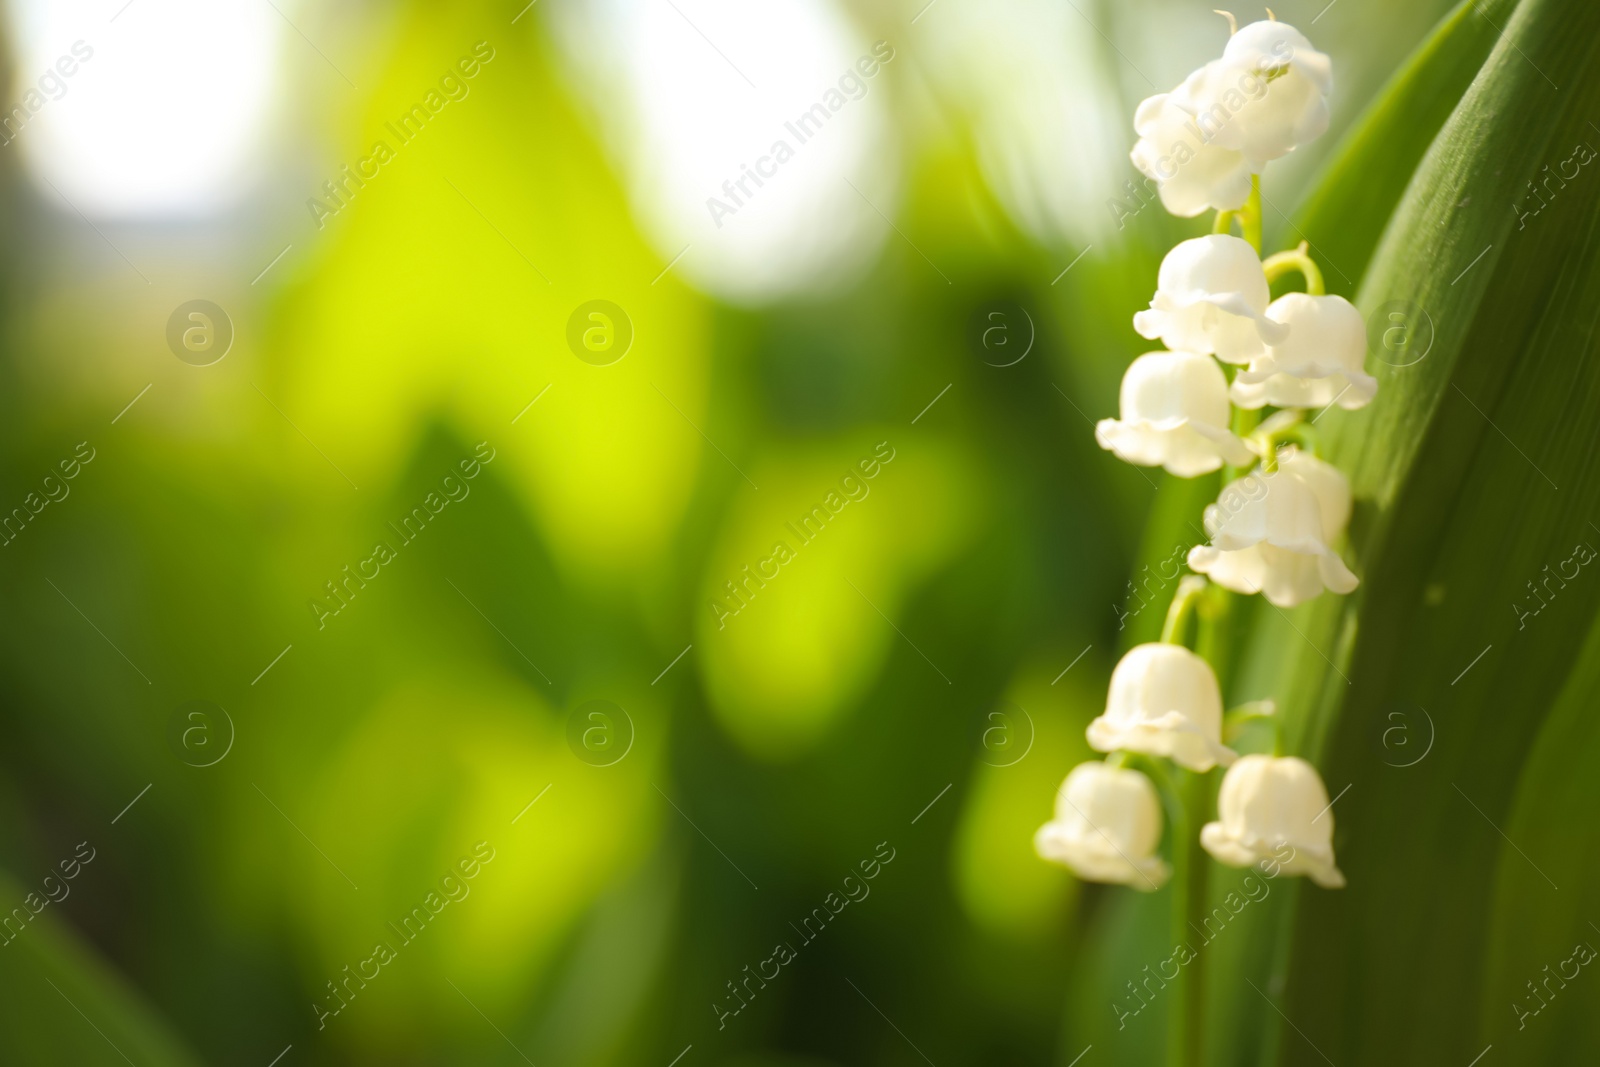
(1296, 259)
(1250, 215)
(1186, 1030)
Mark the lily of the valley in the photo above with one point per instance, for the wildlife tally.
(1174, 415)
(1211, 299)
(1192, 175)
(1319, 363)
(1106, 827)
(1265, 97)
(1274, 533)
(1267, 803)
(1164, 701)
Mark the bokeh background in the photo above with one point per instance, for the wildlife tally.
(938, 285)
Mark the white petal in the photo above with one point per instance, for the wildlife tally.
(1192, 176)
(1164, 701)
(1274, 811)
(1272, 533)
(1271, 87)
(1287, 391)
(1211, 298)
(1319, 361)
(1327, 483)
(1106, 828)
(1174, 408)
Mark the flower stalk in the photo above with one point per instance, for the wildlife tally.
(1227, 393)
(1296, 259)
(1250, 216)
(1191, 884)
(1184, 601)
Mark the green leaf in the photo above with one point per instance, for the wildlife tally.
(59, 1004)
(1346, 212)
(1474, 473)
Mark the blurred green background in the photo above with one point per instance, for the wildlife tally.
(937, 288)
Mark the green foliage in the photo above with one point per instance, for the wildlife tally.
(1475, 473)
(990, 563)
(60, 1004)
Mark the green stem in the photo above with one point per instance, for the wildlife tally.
(1296, 259)
(1183, 604)
(1212, 637)
(1305, 435)
(1186, 1033)
(1236, 720)
(1224, 222)
(1250, 215)
(1245, 421)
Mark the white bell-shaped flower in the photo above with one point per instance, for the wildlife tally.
(1211, 298)
(1164, 701)
(1273, 533)
(1266, 804)
(1106, 827)
(1319, 363)
(1265, 97)
(1174, 415)
(1191, 174)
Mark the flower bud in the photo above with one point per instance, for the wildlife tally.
(1274, 810)
(1320, 362)
(1265, 97)
(1164, 701)
(1107, 827)
(1192, 176)
(1273, 533)
(1211, 298)
(1174, 415)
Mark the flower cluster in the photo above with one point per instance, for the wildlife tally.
(1232, 353)
(1264, 98)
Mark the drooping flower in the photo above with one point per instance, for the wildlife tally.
(1164, 701)
(1174, 415)
(1106, 828)
(1192, 175)
(1211, 298)
(1275, 811)
(1273, 533)
(1319, 363)
(1265, 97)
